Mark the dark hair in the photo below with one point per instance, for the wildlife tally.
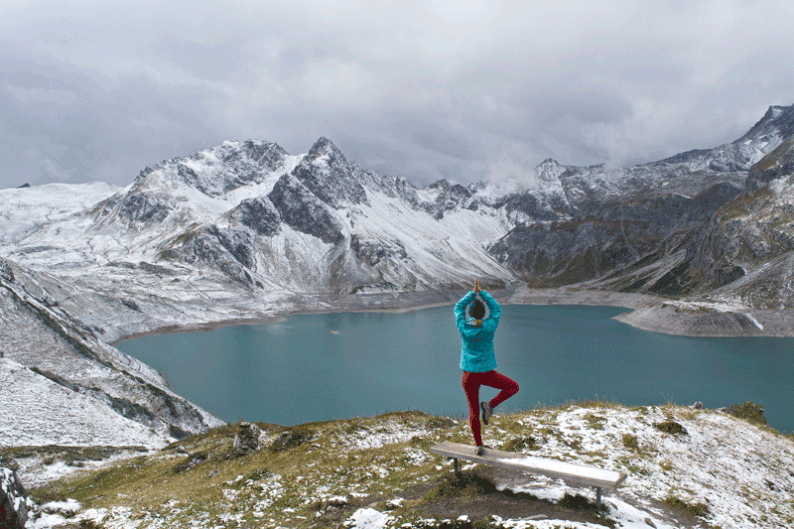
(477, 309)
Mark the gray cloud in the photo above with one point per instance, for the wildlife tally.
(96, 90)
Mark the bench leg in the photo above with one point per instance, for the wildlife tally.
(456, 465)
(598, 496)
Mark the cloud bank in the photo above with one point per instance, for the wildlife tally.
(96, 90)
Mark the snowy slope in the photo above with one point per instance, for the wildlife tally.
(75, 370)
(37, 411)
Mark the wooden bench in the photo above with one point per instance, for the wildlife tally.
(578, 475)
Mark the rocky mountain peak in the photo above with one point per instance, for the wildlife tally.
(777, 122)
(326, 172)
(442, 184)
(324, 146)
(549, 170)
(220, 169)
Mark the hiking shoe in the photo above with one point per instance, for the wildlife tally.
(480, 450)
(487, 411)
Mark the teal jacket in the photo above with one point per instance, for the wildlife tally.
(477, 354)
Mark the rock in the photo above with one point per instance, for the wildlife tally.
(648, 521)
(247, 438)
(5, 271)
(697, 406)
(13, 500)
(258, 214)
(67, 508)
(334, 503)
(289, 439)
(395, 503)
(304, 212)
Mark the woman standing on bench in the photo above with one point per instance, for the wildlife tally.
(477, 358)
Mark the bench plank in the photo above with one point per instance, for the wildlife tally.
(569, 472)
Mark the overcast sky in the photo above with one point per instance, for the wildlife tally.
(96, 90)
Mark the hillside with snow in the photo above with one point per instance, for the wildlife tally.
(686, 468)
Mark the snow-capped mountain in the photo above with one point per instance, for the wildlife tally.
(622, 220)
(266, 220)
(245, 230)
(251, 213)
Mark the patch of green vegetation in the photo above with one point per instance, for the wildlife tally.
(486, 523)
(741, 205)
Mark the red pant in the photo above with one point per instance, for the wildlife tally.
(471, 385)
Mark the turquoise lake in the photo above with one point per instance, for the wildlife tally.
(320, 367)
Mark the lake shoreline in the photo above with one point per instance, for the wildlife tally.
(646, 312)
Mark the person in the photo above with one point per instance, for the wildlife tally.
(477, 357)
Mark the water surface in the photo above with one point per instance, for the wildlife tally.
(319, 367)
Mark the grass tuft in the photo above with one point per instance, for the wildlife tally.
(750, 412)
(461, 484)
(630, 441)
(520, 444)
(699, 510)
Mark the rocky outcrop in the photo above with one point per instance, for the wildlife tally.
(5, 271)
(754, 228)
(373, 251)
(13, 500)
(302, 210)
(449, 197)
(391, 186)
(613, 239)
(777, 164)
(217, 171)
(227, 249)
(259, 214)
(133, 207)
(247, 437)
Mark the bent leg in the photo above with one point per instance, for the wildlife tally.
(471, 386)
(508, 387)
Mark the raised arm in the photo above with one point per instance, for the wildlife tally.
(496, 311)
(460, 309)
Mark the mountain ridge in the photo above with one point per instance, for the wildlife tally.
(245, 231)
